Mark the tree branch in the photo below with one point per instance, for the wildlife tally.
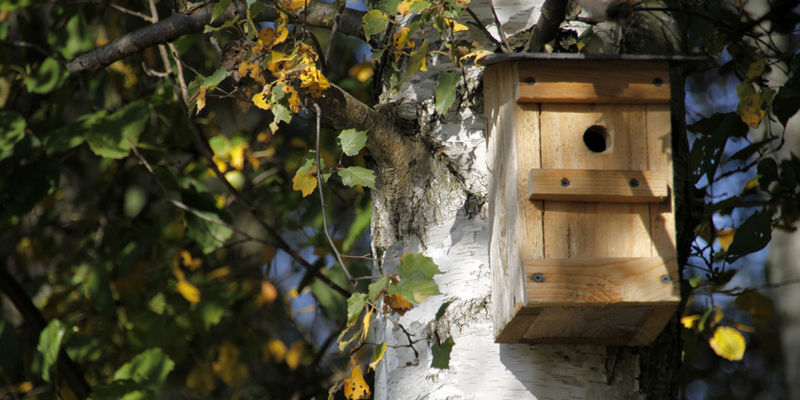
(67, 369)
(172, 28)
(546, 29)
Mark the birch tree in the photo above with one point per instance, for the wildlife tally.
(185, 183)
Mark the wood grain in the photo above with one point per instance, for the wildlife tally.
(601, 81)
(598, 186)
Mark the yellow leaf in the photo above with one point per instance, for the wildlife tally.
(221, 164)
(262, 99)
(236, 154)
(219, 273)
(305, 183)
(728, 343)
(202, 379)
(362, 71)
(274, 351)
(188, 291)
(752, 105)
(267, 37)
(718, 315)
(397, 303)
(188, 261)
(367, 319)
(25, 386)
(355, 387)
(228, 367)
(295, 354)
(176, 269)
(479, 56)
(377, 356)
(268, 292)
(293, 5)
(404, 7)
(725, 237)
(752, 183)
(313, 79)
(282, 31)
(690, 321)
(201, 98)
(276, 62)
(756, 69)
(460, 27)
(294, 98)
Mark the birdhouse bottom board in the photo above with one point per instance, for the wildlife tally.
(582, 247)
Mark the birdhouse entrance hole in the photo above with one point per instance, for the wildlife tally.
(583, 242)
(596, 138)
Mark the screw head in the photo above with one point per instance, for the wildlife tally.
(537, 277)
(564, 182)
(530, 81)
(665, 279)
(634, 183)
(657, 82)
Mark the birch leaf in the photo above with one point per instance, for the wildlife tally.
(446, 91)
(441, 354)
(352, 141)
(352, 176)
(355, 387)
(377, 356)
(728, 343)
(304, 182)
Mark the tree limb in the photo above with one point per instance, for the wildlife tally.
(172, 28)
(67, 369)
(553, 13)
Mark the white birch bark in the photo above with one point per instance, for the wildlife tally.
(452, 227)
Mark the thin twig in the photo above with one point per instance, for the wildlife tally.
(477, 22)
(322, 197)
(499, 28)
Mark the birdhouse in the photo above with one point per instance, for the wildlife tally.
(581, 205)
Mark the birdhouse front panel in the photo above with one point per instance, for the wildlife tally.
(582, 214)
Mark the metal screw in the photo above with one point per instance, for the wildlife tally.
(658, 82)
(665, 279)
(530, 80)
(537, 277)
(564, 182)
(634, 183)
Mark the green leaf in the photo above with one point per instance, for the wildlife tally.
(11, 5)
(211, 312)
(352, 176)
(48, 76)
(111, 137)
(441, 354)
(355, 304)
(416, 273)
(446, 91)
(72, 135)
(416, 62)
(753, 235)
(218, 76)
(375, 288)
(49, 345)
(443, 309)
(352, 141)
(220, 8)
(98, 289)
(331, 302)
(374, 22)
(149, 369)
(209, 235)
(114, 390)
(12, 130)
(358, 227)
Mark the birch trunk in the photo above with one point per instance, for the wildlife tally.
(446, 217)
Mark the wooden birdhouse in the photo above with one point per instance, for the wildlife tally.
(583, 230)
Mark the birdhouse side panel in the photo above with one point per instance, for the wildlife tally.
(508, 281)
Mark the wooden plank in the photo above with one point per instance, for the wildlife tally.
(500, 107)
(515, 329)
(597, 185)
(528, 145)
(594, 230)
(608, 325)
(576, 282)
(601, 81)
(659, 158)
